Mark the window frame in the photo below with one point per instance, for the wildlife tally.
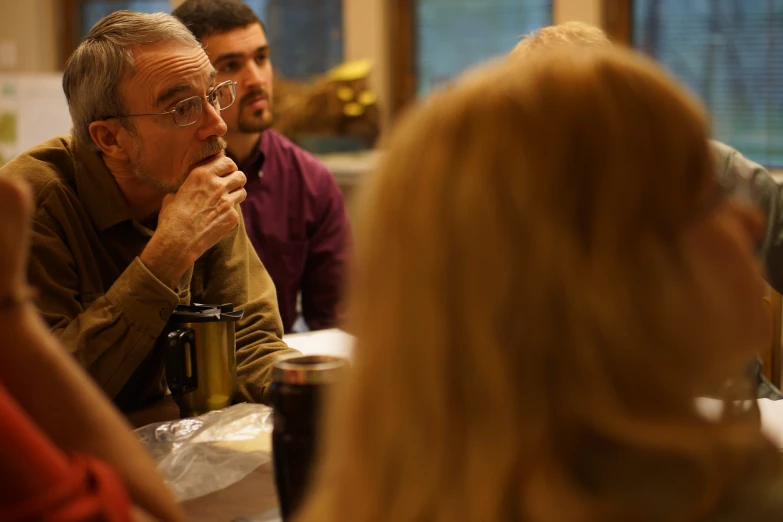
(69, 29)
(401, 15)
(617, 20)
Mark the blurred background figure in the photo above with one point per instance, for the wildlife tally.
(65, 453)
(744, 179)
(542, 287)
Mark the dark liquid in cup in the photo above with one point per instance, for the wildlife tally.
(294, 441)
(297, 398)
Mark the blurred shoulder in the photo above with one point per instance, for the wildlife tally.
(728, 160)
(49, 164)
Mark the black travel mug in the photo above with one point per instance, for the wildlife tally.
(299, 384)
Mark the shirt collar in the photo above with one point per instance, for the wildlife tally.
(255, 162)
(97, 189)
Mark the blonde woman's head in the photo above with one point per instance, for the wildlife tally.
(555, 36)
(526, 274)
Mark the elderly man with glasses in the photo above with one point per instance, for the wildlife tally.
(138, 210)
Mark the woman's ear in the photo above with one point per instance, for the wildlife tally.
(105, 134)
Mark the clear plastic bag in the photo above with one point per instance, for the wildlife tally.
(207, 453)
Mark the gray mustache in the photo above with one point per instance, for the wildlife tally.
(212, 147)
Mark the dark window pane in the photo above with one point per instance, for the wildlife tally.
(730, 52)
(93, 11)
(452, 35)
(306, 36)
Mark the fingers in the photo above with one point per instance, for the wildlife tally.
(219, 179)
(167, 199)
(16, 206)
(220, 166)
(220, 174)
(234, 181)
(140, 515)
(15, 199)
(238, 196)
(227, 166)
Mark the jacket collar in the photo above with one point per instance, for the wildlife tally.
(97, 189)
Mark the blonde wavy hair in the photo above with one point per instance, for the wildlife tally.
(568, 33)
(521, 300)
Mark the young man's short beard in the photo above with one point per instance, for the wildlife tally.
(253, 125)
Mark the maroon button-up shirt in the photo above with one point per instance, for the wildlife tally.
(296, 220)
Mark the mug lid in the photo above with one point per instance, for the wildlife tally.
(308, 369)
(204, 313)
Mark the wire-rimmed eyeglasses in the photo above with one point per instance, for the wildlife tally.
(188, 111)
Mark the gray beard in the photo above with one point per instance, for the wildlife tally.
(141, 173)
(139, 166)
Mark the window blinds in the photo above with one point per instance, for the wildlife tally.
(730, 53)
(306, 36)
(452, 35)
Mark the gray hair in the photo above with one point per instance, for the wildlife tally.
(93, 72)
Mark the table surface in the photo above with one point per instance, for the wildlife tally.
(252, 498)
(253, 495)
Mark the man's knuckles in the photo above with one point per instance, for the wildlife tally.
(240, 195)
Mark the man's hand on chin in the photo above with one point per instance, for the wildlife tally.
(195, 218)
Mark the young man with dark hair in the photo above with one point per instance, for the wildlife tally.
(294, 211)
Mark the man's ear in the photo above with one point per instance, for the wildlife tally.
(106, 135)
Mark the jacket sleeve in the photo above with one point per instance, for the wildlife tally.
(739, 174)
(109, 334)
(235, 275)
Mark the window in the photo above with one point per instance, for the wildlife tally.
(91, 11)
(452, 35)
(730, 52)
(306, 36)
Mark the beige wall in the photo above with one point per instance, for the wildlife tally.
(28, 36)
(588, 11)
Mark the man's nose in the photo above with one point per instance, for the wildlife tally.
(211, 123)
(253, 76)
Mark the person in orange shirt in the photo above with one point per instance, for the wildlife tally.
(65, 453)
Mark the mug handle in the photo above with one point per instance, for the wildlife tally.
(180, 354)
